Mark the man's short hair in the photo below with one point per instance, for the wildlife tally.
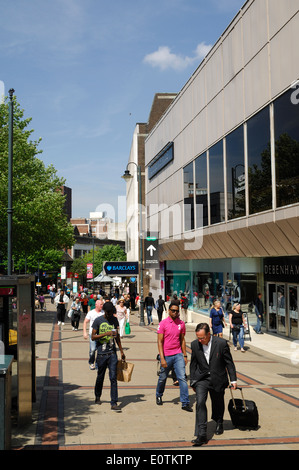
(108, 307)
(203, 326)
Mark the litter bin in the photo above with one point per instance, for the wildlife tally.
(5, 401)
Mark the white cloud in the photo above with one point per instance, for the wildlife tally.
(164, 59)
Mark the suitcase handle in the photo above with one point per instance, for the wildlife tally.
(241, 390)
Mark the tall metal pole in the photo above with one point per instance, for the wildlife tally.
(10, 185)
(140, 247)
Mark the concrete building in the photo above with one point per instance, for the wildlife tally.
(160, 104)
(222, 172)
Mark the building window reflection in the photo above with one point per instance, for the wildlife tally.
(189, 197)
(201, 191)
(216, 177)
(235, 174)
(286, 118)
(259, 162)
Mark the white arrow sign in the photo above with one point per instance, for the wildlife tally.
(151, 249)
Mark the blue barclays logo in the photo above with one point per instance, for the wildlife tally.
(121, 268)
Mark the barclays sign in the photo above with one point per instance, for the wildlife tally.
(121, 268)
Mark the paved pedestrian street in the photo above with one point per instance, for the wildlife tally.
(66, 417)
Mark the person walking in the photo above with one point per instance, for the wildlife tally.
(76, 313)
(90, 318)
(41, 302)
(61, 301)
(160, 307)
(149, 304)
(121, 314)
(84, 303)
(217, 320)
(105, 333)
(184, 307)
(259, 310)
(172, 350)
(211, 363)
(236, 321)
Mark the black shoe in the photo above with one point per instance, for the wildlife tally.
(199, 441)
(98, 401)
(159, 401)
(219, 429)
(116, 408)
(187, 408)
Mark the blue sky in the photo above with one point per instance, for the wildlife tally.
(86, 71)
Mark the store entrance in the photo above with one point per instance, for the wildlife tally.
(282, 309)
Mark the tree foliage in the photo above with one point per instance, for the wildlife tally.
(99, 256)
(40, 225)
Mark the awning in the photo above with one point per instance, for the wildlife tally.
(101, 278)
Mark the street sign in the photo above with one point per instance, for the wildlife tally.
(120, 268)
(151, 252)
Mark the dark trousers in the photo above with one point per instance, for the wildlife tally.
(61, 314)
(203, 387)
(104, 361)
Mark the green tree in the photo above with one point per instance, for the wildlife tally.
(107, 253)
(39, 221)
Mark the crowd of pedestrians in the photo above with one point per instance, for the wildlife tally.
(211, 367)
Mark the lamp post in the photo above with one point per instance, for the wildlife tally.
(127, 176)
(10, 179)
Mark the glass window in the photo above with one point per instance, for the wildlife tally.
(259, 162)
(286, 118)
(217, 205)
(235, 174)
(189, 197)
(201, 188)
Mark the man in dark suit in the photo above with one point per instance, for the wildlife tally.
(211, 361)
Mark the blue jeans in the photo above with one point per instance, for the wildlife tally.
(149, 314)
(92, 350)
(259, 322)
(104, 361)
(177, 362)
(241, 337)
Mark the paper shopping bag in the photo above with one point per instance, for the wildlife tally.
(124, 371)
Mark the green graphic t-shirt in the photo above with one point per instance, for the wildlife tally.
(102, 325)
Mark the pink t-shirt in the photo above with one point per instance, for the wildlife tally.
(171, 329)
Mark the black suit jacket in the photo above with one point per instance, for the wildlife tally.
(220, 364)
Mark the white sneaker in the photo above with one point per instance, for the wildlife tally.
(62, 324)
(58, 323)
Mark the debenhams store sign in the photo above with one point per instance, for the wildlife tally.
(285, 269)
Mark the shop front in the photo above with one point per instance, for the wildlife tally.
(281, 276)
(203, 281)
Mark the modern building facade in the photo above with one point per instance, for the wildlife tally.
(135, 214)
(222, 171)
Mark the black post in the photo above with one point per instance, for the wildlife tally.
(10, 185)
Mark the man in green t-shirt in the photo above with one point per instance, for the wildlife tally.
(92, 302)
(105, 333)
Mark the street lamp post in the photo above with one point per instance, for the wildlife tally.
(10, 183)
(127, 176)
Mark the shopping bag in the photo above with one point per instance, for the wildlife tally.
(127, 328)
(124, 371)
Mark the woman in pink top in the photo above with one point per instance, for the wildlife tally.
(121, 313)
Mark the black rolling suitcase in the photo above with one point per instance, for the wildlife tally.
(243, 413)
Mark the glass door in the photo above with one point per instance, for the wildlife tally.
(281, 309)
(271, 308)
(293, 311)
